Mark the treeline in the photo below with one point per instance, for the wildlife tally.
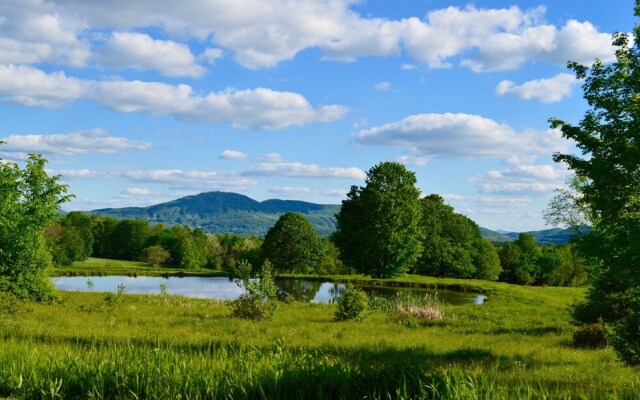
(76, 236)
(452, 247)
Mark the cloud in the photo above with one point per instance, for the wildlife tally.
(95, 141)
(142, 52)
(134, 191)
(544, 90)
(36, 31)
(271, 158)
(31, 87)
(263, 33)
(71, 174)
(408, 67)
(521, 179)
(198, 180)
(260, 108)
(459, 136)
(382, 86)
(233, 155)
(212, 55)
(299, 170)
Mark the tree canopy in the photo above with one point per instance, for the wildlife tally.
(29, 201)
(608, 136)
(377, 226)
(293, 245)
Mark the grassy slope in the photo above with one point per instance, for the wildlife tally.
(517, 345)
(102, 266)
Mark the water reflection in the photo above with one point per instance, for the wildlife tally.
(228, 289)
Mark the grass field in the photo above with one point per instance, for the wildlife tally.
(516, 345)
(101, 266)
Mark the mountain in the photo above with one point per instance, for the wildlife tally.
(545, 236)
(222, 212)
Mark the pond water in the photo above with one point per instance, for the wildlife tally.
(227, 289)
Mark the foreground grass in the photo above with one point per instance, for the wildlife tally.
(517, 345)
(93, 266)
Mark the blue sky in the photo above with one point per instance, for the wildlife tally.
(140, 102)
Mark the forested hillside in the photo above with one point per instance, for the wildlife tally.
(222, 212)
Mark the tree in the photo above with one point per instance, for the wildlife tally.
(447, 239)
(155, 255)
(29, 202)
(519, 260)
(608, 137)
(293, 245)
(486, 260)
(377, 227)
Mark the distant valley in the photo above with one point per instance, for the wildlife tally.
(222, 212)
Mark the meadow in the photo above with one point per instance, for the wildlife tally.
(94, 266)
(92, 345)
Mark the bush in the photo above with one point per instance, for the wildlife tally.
(259, 301)
(626, 335)
(352, 305)
(591, 336)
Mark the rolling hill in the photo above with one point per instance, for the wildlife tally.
(222, 212)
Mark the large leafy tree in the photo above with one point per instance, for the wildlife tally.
(447, 240)
(293, 245)
(609, 139)
(378, 225)
(29, 201)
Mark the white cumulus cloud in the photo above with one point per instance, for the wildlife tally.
(544, 90)
(95, 141)
(233, 155)
(459, 135)
(198, 180)
(299, 170)
(32, 87)
(260, 108)
(142, 52)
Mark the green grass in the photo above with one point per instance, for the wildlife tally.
(102, 266)
(517, 345)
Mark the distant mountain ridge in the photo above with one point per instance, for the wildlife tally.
(222, 212)
(225, 212)
(545, 236)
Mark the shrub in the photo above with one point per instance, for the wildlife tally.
(352, 305)
(591, 336)
(626, 335)
(259, 301)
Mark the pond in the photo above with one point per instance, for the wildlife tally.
(227, 289)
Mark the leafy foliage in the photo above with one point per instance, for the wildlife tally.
(607, 137)
(378, 232)
(352, 305)
(29, 200)
(293, 245)
(70, 238)
(155, 255)
(452, 245)
(591, 336)
(259, 302)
